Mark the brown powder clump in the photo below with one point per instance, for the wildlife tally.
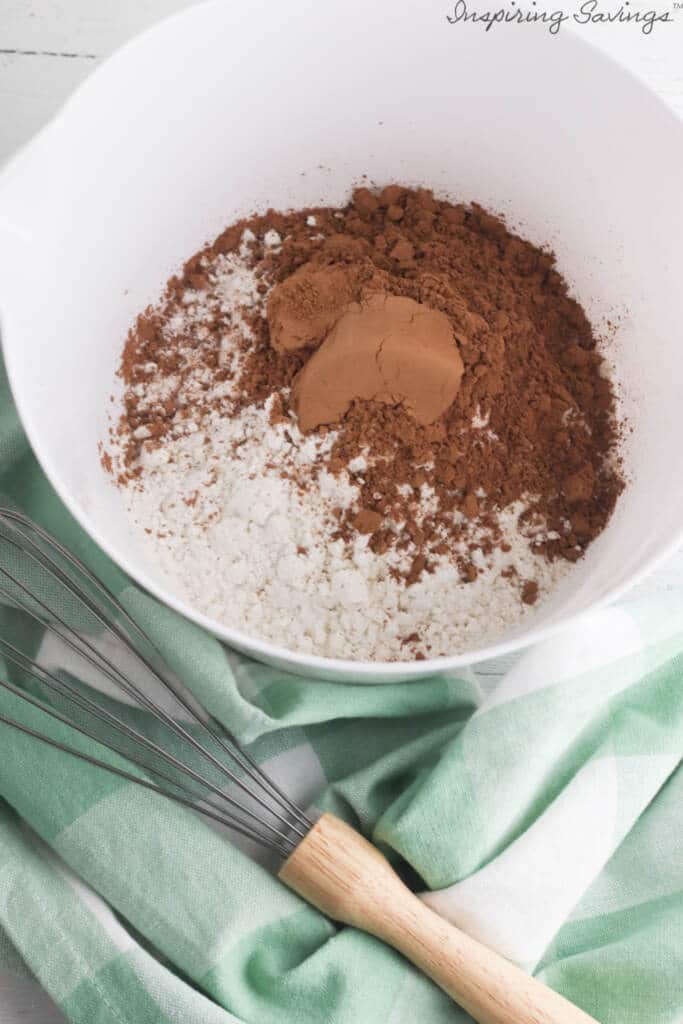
(385, 349)
(303, 308)
(533, 420)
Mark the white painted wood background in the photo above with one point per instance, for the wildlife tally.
(48, 46)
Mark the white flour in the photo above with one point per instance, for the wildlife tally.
(256, 551)
(248, 548)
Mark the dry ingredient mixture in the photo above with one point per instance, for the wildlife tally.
(377, 432)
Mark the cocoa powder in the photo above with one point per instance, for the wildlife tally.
(534, 416)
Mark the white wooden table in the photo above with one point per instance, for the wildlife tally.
(48, 46)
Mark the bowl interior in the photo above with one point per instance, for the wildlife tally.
(225, 109)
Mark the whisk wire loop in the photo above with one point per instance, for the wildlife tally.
(267, 816)
(34, 552)
(283, 847)
(117, 725)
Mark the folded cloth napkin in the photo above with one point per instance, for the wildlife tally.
(543, 815)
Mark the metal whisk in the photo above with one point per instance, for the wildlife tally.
(155, 733)
(208, 756)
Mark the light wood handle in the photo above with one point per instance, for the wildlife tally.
(342, 874)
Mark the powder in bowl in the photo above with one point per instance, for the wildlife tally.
(394, 526)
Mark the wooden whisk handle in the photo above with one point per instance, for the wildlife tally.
(342, 874)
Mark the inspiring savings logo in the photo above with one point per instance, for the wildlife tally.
(589, 12)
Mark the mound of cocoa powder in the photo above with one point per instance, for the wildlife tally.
(533, 419)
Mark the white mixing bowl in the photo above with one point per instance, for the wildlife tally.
(228, 107)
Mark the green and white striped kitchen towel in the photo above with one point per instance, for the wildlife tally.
(544, 816)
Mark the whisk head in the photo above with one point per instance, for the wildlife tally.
(102, 676)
